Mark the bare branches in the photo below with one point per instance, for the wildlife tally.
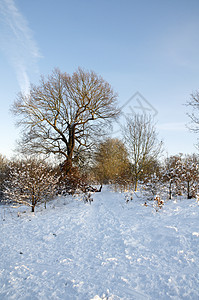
(110, 161)
(63, 111)
(194, 114)
(141, 141)
(30, 182)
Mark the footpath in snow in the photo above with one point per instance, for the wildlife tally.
(107, 250)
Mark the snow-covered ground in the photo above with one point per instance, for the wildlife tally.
(107, 250)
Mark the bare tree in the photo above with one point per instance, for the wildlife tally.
(64, 112)
(111, 160)
(181, 172)
(142, 144)
(194, 114)
(30, 182)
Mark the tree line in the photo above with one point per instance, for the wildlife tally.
(69, 117)
(33, 181)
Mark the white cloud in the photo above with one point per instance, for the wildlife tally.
(17, 42)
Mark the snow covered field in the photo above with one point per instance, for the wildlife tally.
(107, 250)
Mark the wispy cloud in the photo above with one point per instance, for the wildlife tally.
(17, 42)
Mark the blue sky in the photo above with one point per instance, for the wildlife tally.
(150, 47)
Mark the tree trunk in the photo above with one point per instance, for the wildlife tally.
(188, 190)
(70, 149)
(136, 185)
(67, 166)
(170, 191)
(33, 200)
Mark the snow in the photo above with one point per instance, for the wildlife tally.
(107, 250)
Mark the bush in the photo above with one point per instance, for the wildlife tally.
(30, 182)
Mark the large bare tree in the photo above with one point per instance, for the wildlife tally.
(61, 114)
(142, 144)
